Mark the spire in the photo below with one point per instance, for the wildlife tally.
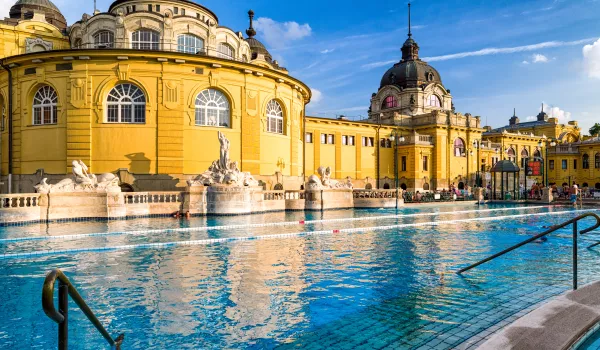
(542, 107)
(514, 112)
(250, 31)
(409, 33)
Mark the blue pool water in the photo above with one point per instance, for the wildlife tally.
(367, 279)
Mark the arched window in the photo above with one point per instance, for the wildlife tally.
(225, 51)
(212, 108)
(434, 101)
(389, 102)
(126, 103)
(44, 106)
(189, 43)
(459, 148)
(586, 161)
(537, 155)
(386, 186)
(524, 158)
(104, 39)
(274, 117)
(145, 39)
(597, 161)
(512, 155)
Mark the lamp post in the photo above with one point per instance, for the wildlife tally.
(394, 137)
(476, 147)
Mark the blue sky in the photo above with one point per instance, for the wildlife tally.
(493, 55)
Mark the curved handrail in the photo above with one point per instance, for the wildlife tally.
(52, 313)
(536, 237)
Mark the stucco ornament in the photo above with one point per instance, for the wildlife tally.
(81, 182)
(223, 171)
(325, 181)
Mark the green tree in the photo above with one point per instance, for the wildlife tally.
(595, 130)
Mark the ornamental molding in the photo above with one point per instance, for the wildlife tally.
(31, 43)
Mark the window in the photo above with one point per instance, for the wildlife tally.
(132, 8)
(145, 39)
(597, 161)
(45, 106)
(537, 155)
(126, 103)
(176, 10)
(495, 160)
(189, 44)
(225, 51)
(459, 148)
(511, 154)
(157, 8)
(308, 137)
(324, 139)
(344, 140)
(586, 161)
(367, 141)
(434, 101)
(389, 102)
(183, 12)
(575, 164)
(564, 164)
(551, 165)
(212, 108)
(424, 163)
(128, 9)
(330, 139)
(524, 158)
(274, 117)
(104, 38)
(350, 140)
(149, 8)
(403, 163)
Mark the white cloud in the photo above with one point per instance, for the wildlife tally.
(556, 112)
(539, 58)
(507, 50)
(277, 34)
(591, 59)
(317, 96)
(5, 5)
(525, 62)
(378, 64)
(327, 51)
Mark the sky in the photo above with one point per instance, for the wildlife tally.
(493, 55)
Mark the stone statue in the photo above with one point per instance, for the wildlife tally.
(224, 171)
(314, 183)
(83, 182)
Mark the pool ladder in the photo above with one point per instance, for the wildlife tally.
(573, 222)
(66, 289)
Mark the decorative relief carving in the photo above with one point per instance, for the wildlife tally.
(213, 79)
(78, 92)
(171, 94)
(123, 71)
(251, 108)
(37, 45)
(316, 183)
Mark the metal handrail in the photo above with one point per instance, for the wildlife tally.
(536, 237)
(66, 288)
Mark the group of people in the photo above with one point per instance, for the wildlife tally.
(572, 192)
(178, 215)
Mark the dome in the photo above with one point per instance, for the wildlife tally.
(505, 166)
(256, 47)
(410, 74)
(24, 9)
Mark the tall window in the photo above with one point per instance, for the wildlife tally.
(403, 163)
(434, 101)
(274, 117)
(126, 103)
(512, 155)
(551, 164)
(597, 161)
(459, 148)
(564, 164)
(575, 164)
(524, 158)
(586, 161)
(189, 44)
(44, 106)
(212, 108)
(145, 39)
(104, 38)
(537, 155)
(225, 51)
(389, 102)
(424, 163)
(308, 138)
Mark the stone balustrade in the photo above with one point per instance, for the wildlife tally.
(25, 200)
(273, 195)
(360, 193)
(377, 198)
(294, 194)
(152, 197)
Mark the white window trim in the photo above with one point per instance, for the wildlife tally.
(275, 112)
(121, 103)
(49, 99)
(140, 42)
(213, 96)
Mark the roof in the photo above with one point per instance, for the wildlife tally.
(410, 73)
(522, 126)
(187, 2)
(42, 3)
(505, 166)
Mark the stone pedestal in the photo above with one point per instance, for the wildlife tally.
(329, 199)
(85, 205)
(194, 200)
(547, 196)
(224, 199)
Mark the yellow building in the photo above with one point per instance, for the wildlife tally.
(143, 89)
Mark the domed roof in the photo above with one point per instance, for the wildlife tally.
(505, 166)
(23, 9)
(410, 73)
(256, 47)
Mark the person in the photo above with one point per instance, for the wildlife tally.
(177, 215)
(574, 193)
(534, 190)
(418, 197)
(187, 215)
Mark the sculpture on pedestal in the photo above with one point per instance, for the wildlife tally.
(325, 182)
(83, 182)
(224, 171)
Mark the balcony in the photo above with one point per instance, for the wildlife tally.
(564, 149)
(417, 139)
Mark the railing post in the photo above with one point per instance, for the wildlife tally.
(575, 255)
(63, 308)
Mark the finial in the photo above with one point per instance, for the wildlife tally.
(94, 6)
(250, 31)
(409, 33)
(542, 107)
(514, 112)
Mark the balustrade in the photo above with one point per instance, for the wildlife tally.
(8, 201)
(273, 195)
(153, 197)
(294, 195)
(375, 193)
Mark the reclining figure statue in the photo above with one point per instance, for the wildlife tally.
(82, 182)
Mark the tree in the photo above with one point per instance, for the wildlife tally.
(595, 130)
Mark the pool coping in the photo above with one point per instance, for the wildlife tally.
(559, 323)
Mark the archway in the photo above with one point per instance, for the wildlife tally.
(426, 187)
(461, 185)
(368, 187)
(386, 186)
(403, 187)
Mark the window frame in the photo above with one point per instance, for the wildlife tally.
(458, 147)
(437, 99)
(425, 163)
(184, 42)
(308, 137)
(585, 161)
(226, 55)
(275, 117)
(212, 103)
(551, 164)
(597, 161)
(564, 164)
(109, 43)
(48, 102)
(389, 102)
(403, 163)
(143, 44)
(119, 93)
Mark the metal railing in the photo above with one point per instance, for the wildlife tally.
(573, 222)
(65, 288)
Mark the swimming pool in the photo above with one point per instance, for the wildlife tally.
(335, 279)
